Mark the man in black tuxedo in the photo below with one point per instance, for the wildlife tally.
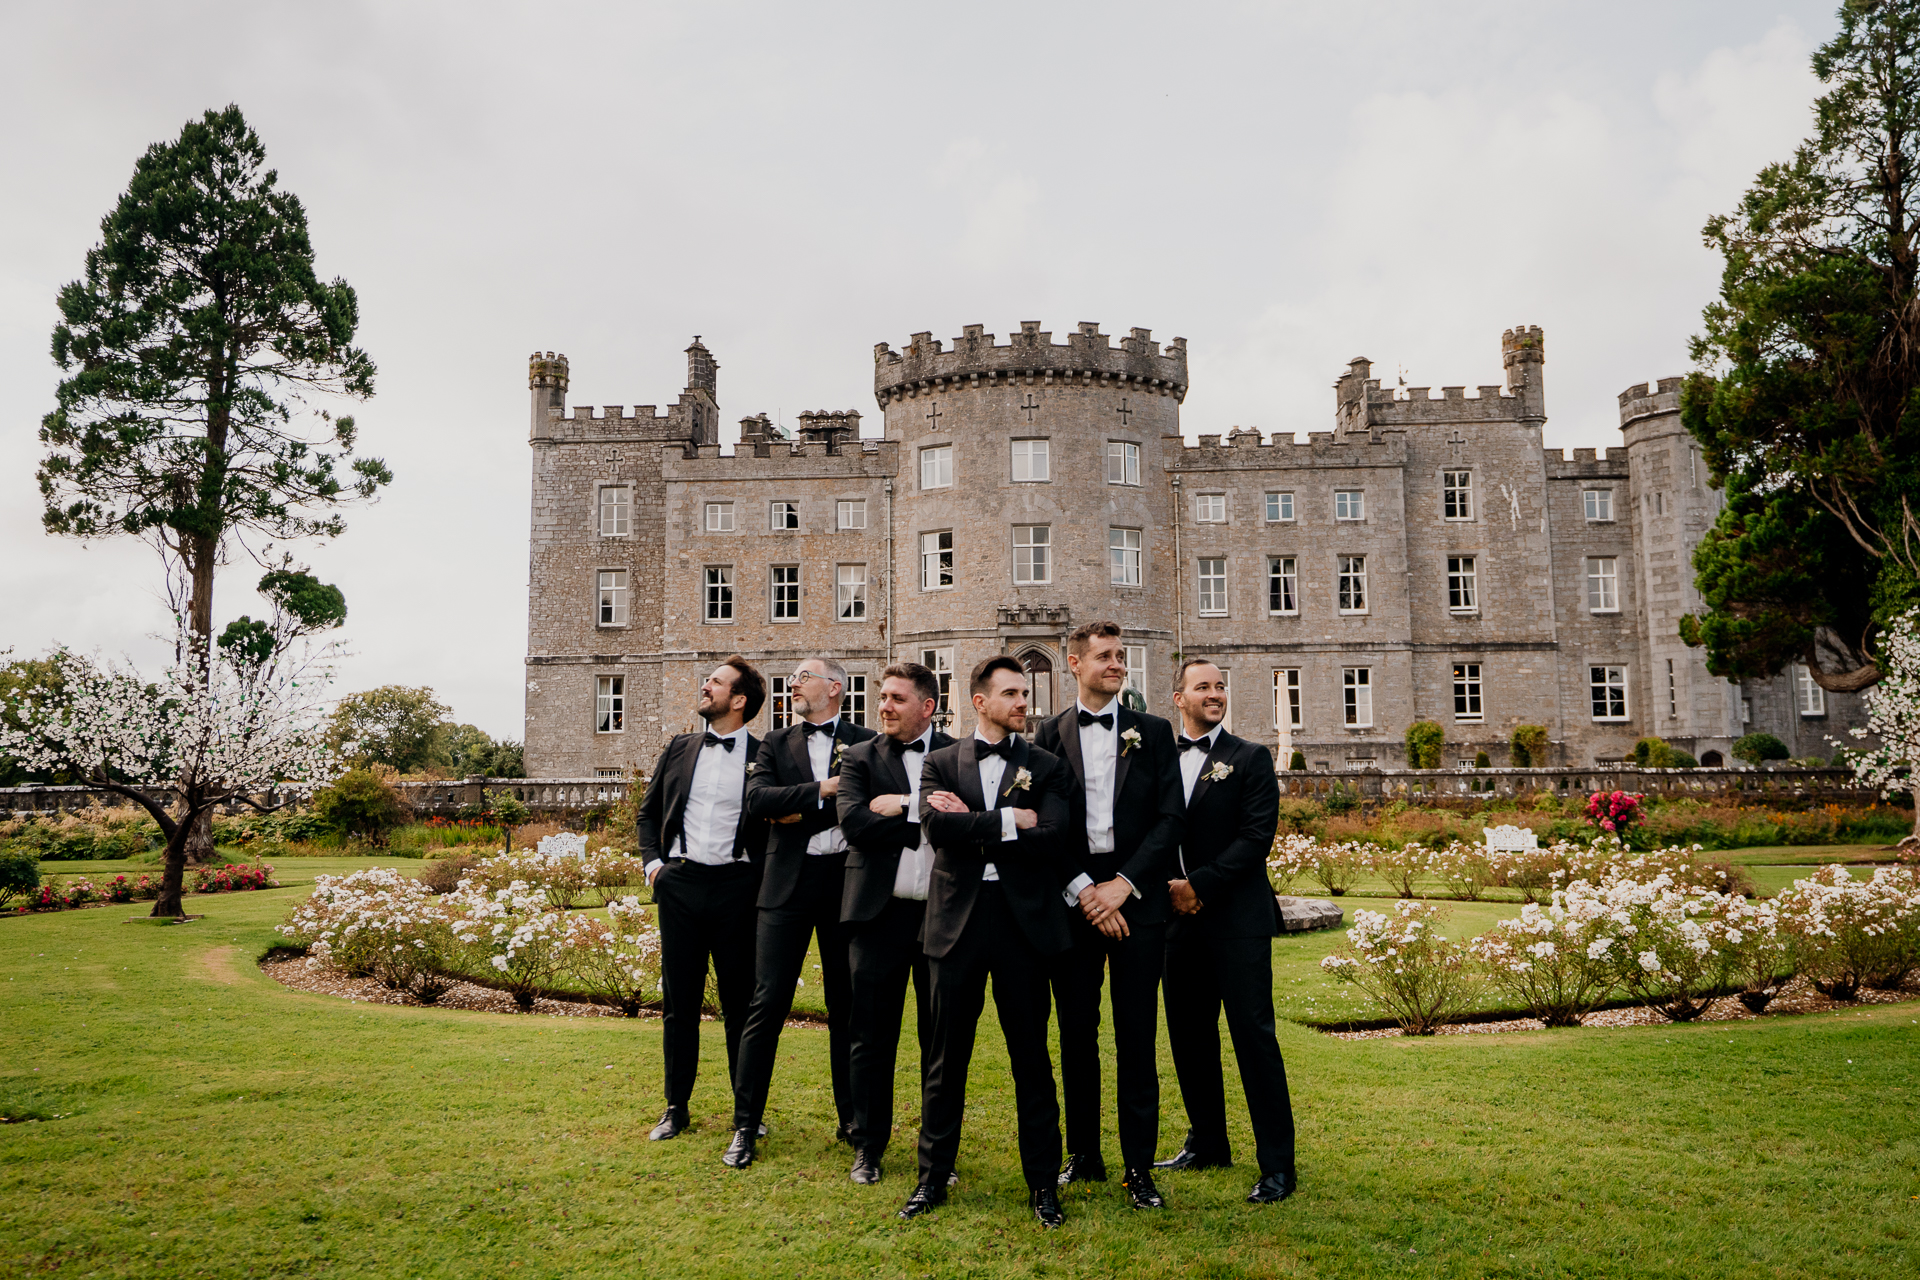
(884, 905)
(702, 852)
(794, 784)
(996, 812)
(1220, 944)
(1127, 812)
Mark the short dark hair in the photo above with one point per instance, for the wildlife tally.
(984, 669)
(1180, 676)
(748, 681)
(924, 682)
(1081, 638)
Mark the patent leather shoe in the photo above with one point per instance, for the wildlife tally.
(740, 1151)
(926, 1197)
(1141, 1193)
(1084, 1169)
(1045, 1203)
(866, 1168)
(671, 1123)
(1188, 1158)
(1273, 1188)
(844, 1133)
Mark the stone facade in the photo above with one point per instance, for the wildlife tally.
(1426, 558)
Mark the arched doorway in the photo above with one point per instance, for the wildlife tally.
(1711, 760)
(1038, 664)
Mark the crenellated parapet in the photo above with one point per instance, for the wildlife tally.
(1029, 358)
(1242, 450)
(1649, 400)
(1586, 464)
(1362, 404)
(782, 462)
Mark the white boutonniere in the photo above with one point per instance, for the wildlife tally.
(1219, 771)
(839, 749)
(1021, 782)
(753, 767)
(1129, 740)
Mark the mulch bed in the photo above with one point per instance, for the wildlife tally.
(294, 971)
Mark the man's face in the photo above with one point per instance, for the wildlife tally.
(1103, 667)
(1203, 698)
(716, 694)
(1005, 702)
(813, 694)
(903, 712)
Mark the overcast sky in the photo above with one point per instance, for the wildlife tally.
(1287, 186)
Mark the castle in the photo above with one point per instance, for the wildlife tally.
(1427, 558)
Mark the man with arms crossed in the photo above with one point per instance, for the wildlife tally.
(702, 855)
(1127, 814)
(1220, 944)
(996, 812)
(884, 905)
(794, 784)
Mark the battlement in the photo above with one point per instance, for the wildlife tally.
(1361, 404)
(545, 369)
(1586, 464)
(1241, 449)
(1029, 357)
(1649, 400)
(781, 460)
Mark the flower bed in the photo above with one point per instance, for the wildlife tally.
(59, 894)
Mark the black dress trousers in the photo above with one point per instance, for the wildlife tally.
(1206, 974)
(705, 912)
(884, 954)
(1136, 962)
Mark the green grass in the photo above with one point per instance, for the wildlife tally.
(217, 1123)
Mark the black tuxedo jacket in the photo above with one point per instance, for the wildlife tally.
(782, 782)
(874, 843)
(1034, 869)
(1229, 834)
(665, 806)
(1147, 809)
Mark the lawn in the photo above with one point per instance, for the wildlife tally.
(214, 1122)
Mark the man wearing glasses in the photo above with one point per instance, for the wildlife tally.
(794, 783)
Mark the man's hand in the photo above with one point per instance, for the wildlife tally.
(1025, 818)
(792, 817)
(654, 874)
(888, 806)
(947, 802)
(830, 787)
(1114, 893)
(1185, 900)
(1102, 909)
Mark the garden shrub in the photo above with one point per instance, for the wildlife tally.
(513, 932)
(1481, 760)
(1425, 739)
(1529, 746)
(443, 875)
(1297, 814)
(1554, 959)
(19, 874)
(1462, 868)
(1334, 865)
(1678, 759)
(1756, 748)
(1299, 762)
(616, 960)
(1845, 933)
(1755, 956)
(1341, 799)
(360, 804)
(1418, 975)
(1652, 753)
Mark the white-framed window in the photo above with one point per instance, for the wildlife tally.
(783, 516)
(719, 593)
(936, 467)
(1031, 461)
(1466, 691)
(779, 703)
(940, 662)
(785, 589)
(1673, 693)
(1283, 585)
(1603, 584)
(850, 592)
(1210, 508)
(616, 510)
(1463, 591)
(1350, 591)
(1456, 495)
(1279, 508)
(610, 704)
(1137, 668)
(1746, 711)
(1123, 462)
(936, 560)
(613, 597)
(1809, 697)
(1286, 698)
(719, 517)
(1349, 504)
(1356, 696)
(1609, 686)
(850, 513)
(1213, 585)
(1032, 554)
(856, 700)
(1123, 557)
(1599, 503)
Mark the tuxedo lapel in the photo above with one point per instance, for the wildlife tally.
(894, 763)
(796, 746)
(1016, 761)
(1070, 742)
(1122, 758)
(969, 780)
(1220, 752)
(680, 780)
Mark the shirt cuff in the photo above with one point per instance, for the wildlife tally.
(657, 862)
(1135, 892)
(1078, 885)
(1009, 829)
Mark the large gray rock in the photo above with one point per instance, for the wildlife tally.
(1301, 915)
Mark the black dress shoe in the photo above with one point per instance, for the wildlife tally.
(1084, 1169)
(1141, 1193)
(866, 1168)
(670, 1125)
(926, 1197)
(740, 1151)
(844, 1133)
(1188, 1158)
(1273, 1188)
(1045, 1203)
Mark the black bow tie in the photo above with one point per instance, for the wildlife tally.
(900, 748)
(1193, 742)
(715, 740)
(1104, 719)
(1002, 748)
(810, 728)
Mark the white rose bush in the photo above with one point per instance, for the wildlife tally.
(1418, 974)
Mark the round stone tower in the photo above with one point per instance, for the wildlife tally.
(1032, 496)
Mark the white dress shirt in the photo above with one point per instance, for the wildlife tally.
(1100, 757)
(1192, 761)
(992, 769)
(915, 873)
(820, 755)
(711, 821)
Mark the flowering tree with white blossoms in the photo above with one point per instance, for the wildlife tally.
(1893, 715)
(215, 728)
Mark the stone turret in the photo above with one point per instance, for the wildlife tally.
(703, 371)
(831, 428)
(1030, 357)
(1523, 349)
(547, 379)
